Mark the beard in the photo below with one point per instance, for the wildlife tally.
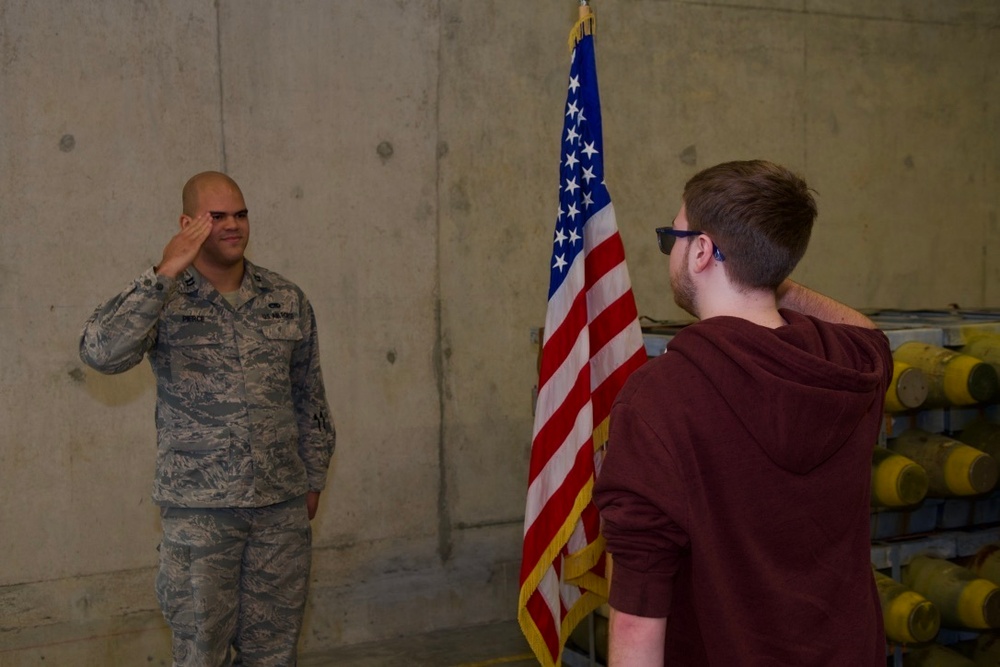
(684, 290)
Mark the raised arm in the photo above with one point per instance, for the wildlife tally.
(122, 329)
(793, 296)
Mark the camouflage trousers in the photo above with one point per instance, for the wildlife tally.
(232, 583)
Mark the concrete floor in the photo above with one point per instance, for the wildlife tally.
(480, 646)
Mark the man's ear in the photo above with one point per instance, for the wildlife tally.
(701, 253)
(185, 220)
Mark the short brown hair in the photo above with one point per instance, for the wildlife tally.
(758, 213)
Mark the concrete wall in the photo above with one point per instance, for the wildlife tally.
(400, 162)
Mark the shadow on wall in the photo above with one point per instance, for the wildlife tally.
(115, 390)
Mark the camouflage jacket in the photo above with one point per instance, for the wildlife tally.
(241, 412)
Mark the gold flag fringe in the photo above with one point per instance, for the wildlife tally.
(585, 26)
(577, 570)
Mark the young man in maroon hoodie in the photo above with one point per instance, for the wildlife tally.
(735, 491)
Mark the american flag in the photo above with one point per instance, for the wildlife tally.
(591, 343)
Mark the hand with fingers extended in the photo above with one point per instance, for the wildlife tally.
(182, 249)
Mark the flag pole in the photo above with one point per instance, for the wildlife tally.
(563, 574)
(586, 26)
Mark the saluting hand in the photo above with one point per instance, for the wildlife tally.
(184, 246)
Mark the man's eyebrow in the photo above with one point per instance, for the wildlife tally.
(242, 210)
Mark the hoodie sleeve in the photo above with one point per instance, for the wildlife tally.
(643, 526)
(881, 344)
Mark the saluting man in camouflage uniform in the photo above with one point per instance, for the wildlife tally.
(244, 435)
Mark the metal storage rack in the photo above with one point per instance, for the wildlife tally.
(951, 528)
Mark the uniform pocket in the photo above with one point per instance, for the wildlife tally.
(197, 352)
(290, 331)
(174, 588)
(195, 464)
(192, 331)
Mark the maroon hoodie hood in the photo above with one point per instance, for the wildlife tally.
(813, 374)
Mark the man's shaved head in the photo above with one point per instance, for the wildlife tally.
(199, 183)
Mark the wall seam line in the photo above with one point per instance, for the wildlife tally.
(222, 96)
(444, 517)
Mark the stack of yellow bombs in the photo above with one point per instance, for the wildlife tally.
(953, 468)
(936, 593)
(952, 378)
(916, 463)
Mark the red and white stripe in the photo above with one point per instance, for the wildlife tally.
(591, 343)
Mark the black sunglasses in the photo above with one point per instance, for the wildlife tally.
(667, 236)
